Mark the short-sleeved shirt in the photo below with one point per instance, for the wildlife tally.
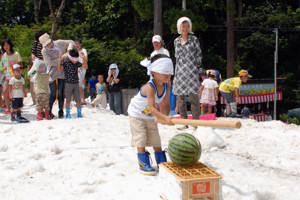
(16, 57)
(229, 84)
(71, 71)
(92, 83)
(17, 87)
(160, 51)
(245, 112)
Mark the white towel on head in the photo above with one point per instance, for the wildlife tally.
(161, 65)
(179, 22)
(113, 66)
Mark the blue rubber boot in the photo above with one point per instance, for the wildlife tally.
(144, 162)
(79, 112)
(68, 116)
(160, 157)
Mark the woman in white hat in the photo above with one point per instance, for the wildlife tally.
(188, 59)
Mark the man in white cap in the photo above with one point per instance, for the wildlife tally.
(157, 44)
(51, 50)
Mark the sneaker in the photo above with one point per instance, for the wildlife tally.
(235, 115)
(182, 127)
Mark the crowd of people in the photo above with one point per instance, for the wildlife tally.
(56, 72)
(159, 95)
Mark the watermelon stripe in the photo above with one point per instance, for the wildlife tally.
(191, 138)
(184, 149)
(183, 145)
(181, 152)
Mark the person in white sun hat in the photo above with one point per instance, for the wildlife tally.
(188, 59)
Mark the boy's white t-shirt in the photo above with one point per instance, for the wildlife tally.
(17, 87)
(160, 51)
(210, 84)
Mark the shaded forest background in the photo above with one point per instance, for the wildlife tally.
(120, 31)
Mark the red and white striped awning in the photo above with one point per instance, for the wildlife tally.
(258, 98)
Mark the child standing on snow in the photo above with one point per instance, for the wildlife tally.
(92, 85)
(101, 97)
(41, 81)
(16, 92)
(70, 66)
(143, 108)
(208, 92)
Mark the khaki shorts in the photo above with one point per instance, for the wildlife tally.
(144, 132)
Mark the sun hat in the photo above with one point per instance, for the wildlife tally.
(156, 38)
(183, 19)
(244, 73)
(45, 40)
(16, 66)
(212, 72)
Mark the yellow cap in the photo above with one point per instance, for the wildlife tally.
(244, 73)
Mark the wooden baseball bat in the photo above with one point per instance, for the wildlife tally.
(211, 123)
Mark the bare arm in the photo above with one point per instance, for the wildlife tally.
(216, 92)
(236, 95)
(200, 90)
(84, 58)
(59, 65)
(150, 92)
(166, 103)
(9, 91)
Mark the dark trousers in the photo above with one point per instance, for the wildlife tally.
(60, 97)
(195, 106)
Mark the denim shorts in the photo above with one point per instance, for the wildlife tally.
(228, 97)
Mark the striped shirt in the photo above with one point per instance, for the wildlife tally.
(36, 50)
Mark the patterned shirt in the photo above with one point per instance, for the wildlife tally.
(188, 59)
(36, 50)
(71, 71)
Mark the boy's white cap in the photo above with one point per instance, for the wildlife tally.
(156, 38)
(16, 66)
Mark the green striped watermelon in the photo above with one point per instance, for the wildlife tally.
(184, 149)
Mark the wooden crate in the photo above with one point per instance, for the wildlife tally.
(185, 183)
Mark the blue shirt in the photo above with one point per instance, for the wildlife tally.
(245, 112)
(93, 82)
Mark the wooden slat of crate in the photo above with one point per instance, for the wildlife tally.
(197, 181)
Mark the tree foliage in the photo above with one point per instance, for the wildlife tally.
(120, 31)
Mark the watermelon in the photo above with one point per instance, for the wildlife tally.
(184, 149)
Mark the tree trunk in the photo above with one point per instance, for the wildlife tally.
(230, 38)
(55, 19)
(136, 24)
(37, 8)
(157, 29)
